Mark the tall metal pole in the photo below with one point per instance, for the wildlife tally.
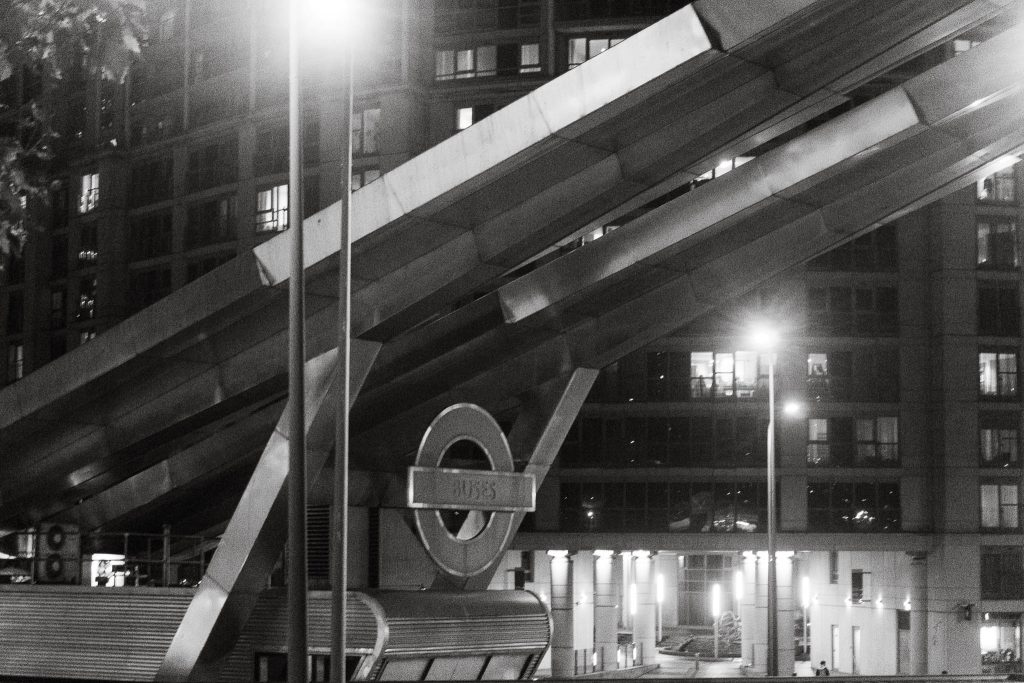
(773, 612)
(339, 508)
(296, 368)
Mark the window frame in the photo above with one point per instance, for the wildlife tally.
(273, 219)
(1006, 382)
(88, 192)
(1007, 507)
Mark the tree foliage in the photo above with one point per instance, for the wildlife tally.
(42, 42)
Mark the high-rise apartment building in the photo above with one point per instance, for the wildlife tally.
(899, 468)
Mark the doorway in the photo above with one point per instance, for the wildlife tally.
(835, 646)
(855, 652)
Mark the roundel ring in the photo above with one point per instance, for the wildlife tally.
(464, 558)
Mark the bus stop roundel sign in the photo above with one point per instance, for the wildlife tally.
(500, 490)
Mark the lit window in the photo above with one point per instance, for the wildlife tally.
(486, 60)
(444, 65)
(999, 507)
(726, 375)
(86, 299)
(960, 45)
(877, 441)
(529, 58)
(364, 131)
(997, 243)
(89, 192)
(272, 209)
(464, 67)
(997, 373)
(998, 187)
(15, 362)
(817, 442)
(582, 49)
(86, 335)
(467, 116)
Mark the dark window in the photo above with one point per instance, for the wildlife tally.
(15, 312)
(202, 266)
(997, 243)
(863, 374)
(668, 376)
(1000, 438)
(574, 10)
(833, 566)
(151, 236)
(844, 311)
(60, 205)
(213, 164)
(472, 16)
(58, 255)
(843, 507)
(58, 346)
(15, 267)
(148, 286)
(58, 307)
(998, 310)
(211, 222)
(152, 180)
(1002, 573)
(857, 585)
(698, 507)
(875, 251)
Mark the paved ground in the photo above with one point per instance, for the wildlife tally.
(671, 666)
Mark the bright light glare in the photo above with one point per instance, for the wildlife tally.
(764, 338)
(805, 592)
(336, 20)
(989, 638)
(792, 408)
(737, 585)
(716, 600)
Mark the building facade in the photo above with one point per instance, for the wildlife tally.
(899, 471)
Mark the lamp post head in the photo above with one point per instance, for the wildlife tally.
(764, 337)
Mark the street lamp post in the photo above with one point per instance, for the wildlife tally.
(716, 611)
(773, 596)
(296, 368)
(767, 339)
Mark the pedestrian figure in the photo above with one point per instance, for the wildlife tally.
(823, 671)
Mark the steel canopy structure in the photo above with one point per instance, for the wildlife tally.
(187, 393)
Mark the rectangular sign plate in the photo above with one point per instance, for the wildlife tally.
(443, 488)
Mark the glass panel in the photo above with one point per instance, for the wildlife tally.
(486, 60)
(702, 366)
(746, 373)
(987, 374)
(989, 506)
(577, 51)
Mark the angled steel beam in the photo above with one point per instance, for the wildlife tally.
(256, 533)
(960, 118)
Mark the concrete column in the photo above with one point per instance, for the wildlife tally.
(784, 577)
(646, 606)
(583, 614)
(747, 612)
(606, 619)
(626, 609)
(561, 614)
(759, 613)
(918, 614)
(667, 567)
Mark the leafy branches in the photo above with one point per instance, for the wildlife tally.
(44, 45)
